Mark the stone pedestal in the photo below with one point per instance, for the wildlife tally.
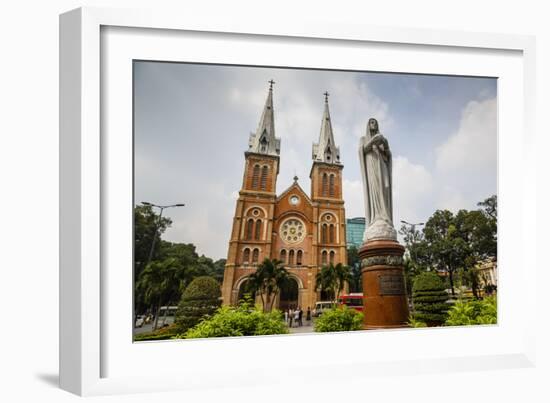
(385, 297)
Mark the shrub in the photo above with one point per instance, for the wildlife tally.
(200, 299)
(474, 312)
(243, 320)
(339, 319)
(416, 323)
(164, 333)
(430, 299)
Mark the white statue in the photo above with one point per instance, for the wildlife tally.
(376, 167)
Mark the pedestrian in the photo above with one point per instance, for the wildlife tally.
(297, 316)
(300, 316)
(308, 316)
(286, 316)
(290, 317)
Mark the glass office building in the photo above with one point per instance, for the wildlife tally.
(355, 227)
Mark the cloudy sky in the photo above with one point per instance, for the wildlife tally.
(192, 124)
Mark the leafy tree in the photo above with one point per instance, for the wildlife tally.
(267, 280)
(355, 281)
(430, 299)
(147, 225)
(242, 320)
(474, 312)
(339, 319)
(160, 283)
(332, 278)
(200, 299)
(489, 206)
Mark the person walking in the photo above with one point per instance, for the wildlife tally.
(308, 316)
(297, 316)
(286, 316)
(290, 317)
(300, 316)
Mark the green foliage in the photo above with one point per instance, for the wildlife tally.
(242, 320)
(165, 333)
(267, 280)
(333, 278)
(200, 299)
(429, 299)
(339, 319)
(416, 323)
(473, 312)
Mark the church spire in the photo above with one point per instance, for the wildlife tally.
(325, 150)
(264, 140)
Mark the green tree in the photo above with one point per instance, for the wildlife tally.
(160, 284)
(430, 299)
(332, 279)
(200, 299)
(339, 319)
(267, 280)
(242, 320)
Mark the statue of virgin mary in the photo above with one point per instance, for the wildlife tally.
(376, 166)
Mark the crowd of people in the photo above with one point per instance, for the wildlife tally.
(295, 317)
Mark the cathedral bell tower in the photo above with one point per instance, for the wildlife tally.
(329, 241)
(250, 241)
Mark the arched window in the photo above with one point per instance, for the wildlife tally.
(291, 257)
(255, 176)
(258, 230)
(255, 256)
(263, 182)
(324, 233)
(299, 258)
(324, 257)
(331, 186)
(331, 233)
(332, 257)
(283, 256)
(246, 256)
(249, 228)
(324, 190)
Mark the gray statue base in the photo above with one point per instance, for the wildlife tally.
(380, 230)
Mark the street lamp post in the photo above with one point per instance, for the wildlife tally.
(153, 242)
(161, 208)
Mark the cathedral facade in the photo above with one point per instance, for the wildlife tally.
(304, 231)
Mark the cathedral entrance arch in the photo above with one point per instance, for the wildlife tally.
(288, 295)
(244, 288)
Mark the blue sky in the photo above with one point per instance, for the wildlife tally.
(192, 124)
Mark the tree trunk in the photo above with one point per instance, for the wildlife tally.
(155, 324)
(452, 283)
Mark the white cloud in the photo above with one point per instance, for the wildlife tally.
(472, 149)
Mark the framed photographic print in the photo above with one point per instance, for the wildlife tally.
(317, 196)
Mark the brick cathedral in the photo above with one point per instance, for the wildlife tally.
(303, 231)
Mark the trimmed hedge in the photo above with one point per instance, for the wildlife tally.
(430, 299)
(199, 301)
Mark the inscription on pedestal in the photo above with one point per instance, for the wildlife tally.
(391, 284)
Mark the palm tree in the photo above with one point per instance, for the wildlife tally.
(333, 278)
(267, 281)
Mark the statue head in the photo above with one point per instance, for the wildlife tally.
(372, 126)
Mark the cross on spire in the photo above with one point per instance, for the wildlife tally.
(326, 94)
(271, 82)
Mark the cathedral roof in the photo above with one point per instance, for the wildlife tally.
(326, 150)
(296, 186)
(264, 140)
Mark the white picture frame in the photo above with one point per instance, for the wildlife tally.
(95, 359)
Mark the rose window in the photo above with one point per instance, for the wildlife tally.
(292, 231)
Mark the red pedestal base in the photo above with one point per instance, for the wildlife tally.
(385, 298)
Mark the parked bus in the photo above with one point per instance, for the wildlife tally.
(352, 300)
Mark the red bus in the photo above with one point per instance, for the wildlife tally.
(352, 300)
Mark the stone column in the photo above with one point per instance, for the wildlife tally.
(385, 299)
